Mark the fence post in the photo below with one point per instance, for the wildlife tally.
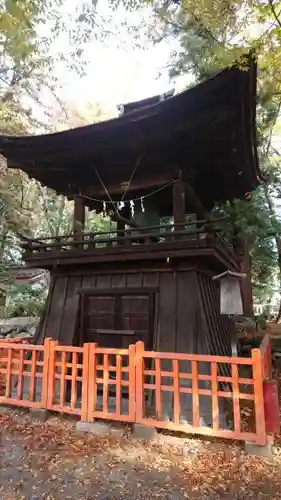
(132, 381)
(85, 382)
(88, 382)
(139, 381)
(258, 397)
(51, 374)
(45, 374)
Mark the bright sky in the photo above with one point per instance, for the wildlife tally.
(118, 70)
(115, 75)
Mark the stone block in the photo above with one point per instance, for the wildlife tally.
(142, 432)
(40, 414)
(98, 428)
(265, 451)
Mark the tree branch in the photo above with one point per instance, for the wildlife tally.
(272, 128)
(276, 16)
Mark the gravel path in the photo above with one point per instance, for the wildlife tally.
(51, 461)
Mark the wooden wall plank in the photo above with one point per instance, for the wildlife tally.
(89, 281)
(166, 334)
(118, 280)
(203, 327)
(167, 312)
(53, 322)
(205, 402)
(219, 331)
(214, 336)
(69, 322)
(186, 332)
(41, 327)
(134, 280)
(103, 281)
(150, 279)
(187, 312)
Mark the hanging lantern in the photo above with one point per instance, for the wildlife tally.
(230, 292)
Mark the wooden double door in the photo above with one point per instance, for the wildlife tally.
(117, 318)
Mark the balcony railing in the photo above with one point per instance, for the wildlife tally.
(132, 236)
(190, 235)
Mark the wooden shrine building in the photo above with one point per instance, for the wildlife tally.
(161, 160)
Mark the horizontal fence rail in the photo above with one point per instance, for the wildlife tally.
(199, 394)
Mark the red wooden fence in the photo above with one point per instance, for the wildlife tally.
(214, 392)
(111, 371)
(133, 385)
(22, 368)
(66, 377)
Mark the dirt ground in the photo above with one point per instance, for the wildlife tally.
(52, 461)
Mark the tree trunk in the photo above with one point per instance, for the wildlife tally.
(3, 243)
(278, 244)
(277, 319)
(277, 240)
(242, 251)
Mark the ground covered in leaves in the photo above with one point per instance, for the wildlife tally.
(51, 461)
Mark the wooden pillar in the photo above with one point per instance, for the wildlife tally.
(79, 215)
(120, 231)
(179, 204)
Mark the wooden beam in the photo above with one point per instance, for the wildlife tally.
(179, 203)
(105, 331)
(182, 249)
(135, 185)
(121, 229)
(79, 215)
(118, 291)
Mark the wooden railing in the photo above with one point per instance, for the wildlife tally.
(23, 374)
(198, 376)
(182, 392)
(67, 373)
(193, 232)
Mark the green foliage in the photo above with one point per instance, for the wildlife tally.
(99, 223)
(261, 320)
(30, 30)
(252, 221)
(26, 299)
(214, 33)
(25, 309)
